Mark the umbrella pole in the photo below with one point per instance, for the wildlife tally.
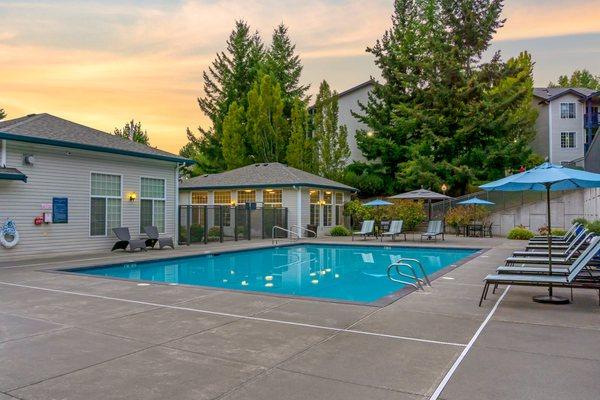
(550, 298)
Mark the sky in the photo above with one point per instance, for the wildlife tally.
(101, 63)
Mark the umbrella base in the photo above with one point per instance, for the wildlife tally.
(546, 299)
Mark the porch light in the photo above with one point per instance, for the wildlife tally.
(232, 202)
(132, 196)
(444, 188)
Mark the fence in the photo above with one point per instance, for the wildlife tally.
(203, 224)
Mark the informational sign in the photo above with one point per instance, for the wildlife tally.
(60, 210)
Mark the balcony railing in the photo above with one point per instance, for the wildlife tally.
(591, 120)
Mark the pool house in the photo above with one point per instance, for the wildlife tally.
(249, 202)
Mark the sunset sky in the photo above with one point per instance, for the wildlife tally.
(101, 63)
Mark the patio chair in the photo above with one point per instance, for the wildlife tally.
(153, 238)
(434, 229)
(571, 279)
(567, 237)
(563, 245)
(125, 241)
(581, 240)
(395, 229)
(540, 257)
(367, 229)
(487, 230)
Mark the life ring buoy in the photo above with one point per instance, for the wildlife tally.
(9, 236)
(9, 240)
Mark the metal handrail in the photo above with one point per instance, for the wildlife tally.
(425, 277)
(304, 230)
(417, 285)
(274, 239)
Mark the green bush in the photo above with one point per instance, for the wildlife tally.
(594, 226)
(520, 233)
(555, 231)
(580, 220)
(196, 233)
(214, 232)
(339, 231)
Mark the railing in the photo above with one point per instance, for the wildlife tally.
(591, 120)
(416, 282)
(303, 229)
(276, 228)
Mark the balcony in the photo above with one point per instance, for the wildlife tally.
(591, 120)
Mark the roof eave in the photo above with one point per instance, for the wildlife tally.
(81, 146)
(256, 186)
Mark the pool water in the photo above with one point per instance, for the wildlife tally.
(335, 272)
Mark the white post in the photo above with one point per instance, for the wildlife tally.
(3, 157)
(299, 211)
(550, 132)
(176, 218)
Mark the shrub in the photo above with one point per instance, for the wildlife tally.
(409, 211)
(196, 233)
(214, 232)
(520, 233)
(464, 215)
(339, 231)
(594, 226)
(580, 220)
(555, 231)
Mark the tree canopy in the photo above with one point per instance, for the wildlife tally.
(2, 113)
(441, 114)
(579, 78)
(133, 130)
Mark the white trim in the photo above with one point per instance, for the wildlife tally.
(550, 132)
(153, 199)
(299, 211)
(462, 355)
(105, 197)
(574, 109)
(239, 316)
(3, 154)
(176, 212)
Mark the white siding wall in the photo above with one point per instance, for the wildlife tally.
(56, 174)
(347, 104)
(559, 125)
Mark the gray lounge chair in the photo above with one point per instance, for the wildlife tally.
(540, 257)
(153, 238)
(583, 237)
(562, 238)
(367, 229)
(434, 229)
(125, 241)
(571, 280)
(395, 230)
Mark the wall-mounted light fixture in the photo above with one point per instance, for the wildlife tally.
(132, 196)
(232, 203)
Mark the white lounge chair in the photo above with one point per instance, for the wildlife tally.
(367, 229)
(434, 229)
(395, 229)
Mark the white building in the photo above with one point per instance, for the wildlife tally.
(66, 186)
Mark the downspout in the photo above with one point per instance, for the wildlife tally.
(3, 156)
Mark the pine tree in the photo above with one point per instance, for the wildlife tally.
(301, 152)
(2, 114)
(331, 139)
(267, 127)
(579, 78)
(228, 79)
(234, 146)
(133, 131)
(284, 65)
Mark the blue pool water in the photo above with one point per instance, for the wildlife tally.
(337, 272)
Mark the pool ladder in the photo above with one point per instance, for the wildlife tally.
(417, 283)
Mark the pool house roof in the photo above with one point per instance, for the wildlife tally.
(262, 175)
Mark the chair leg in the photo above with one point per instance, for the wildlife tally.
(483, 293)
(495, 287)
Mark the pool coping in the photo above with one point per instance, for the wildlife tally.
(381, 302)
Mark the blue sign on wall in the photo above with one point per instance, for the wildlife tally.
(60, 210)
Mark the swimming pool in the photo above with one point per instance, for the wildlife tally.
(334, 272)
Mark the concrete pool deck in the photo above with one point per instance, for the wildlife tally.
(80, 337)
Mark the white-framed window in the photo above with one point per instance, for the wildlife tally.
(246, 196)
(567, 111)
(152, 203)
(223, 198)
(315, 207)
(273, 198)
(339, 208)
(105, 203)
(200, 198)
(328, 208)
(567, 140)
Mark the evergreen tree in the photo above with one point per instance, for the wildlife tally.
(331, 139)
(579, 78)
(133, 131)
(234, 147)
(301, 149)
(285, 66)
(2, 114)
(228, 79)
(441, 115)
(266, 126)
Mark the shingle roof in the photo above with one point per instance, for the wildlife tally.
(261, 175)
(552, 93)
(52, 130)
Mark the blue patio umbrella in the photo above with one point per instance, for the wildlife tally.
(475, 201)
(546, 177)
(378, 202)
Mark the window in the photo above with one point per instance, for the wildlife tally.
(327, 208)
(152, 203)
(567, 140)
(199, 197)
(223, 198)
(246, 196)
(339, 209)
(105, 203)
(273, 198)
(315, 207)
(567, 110)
